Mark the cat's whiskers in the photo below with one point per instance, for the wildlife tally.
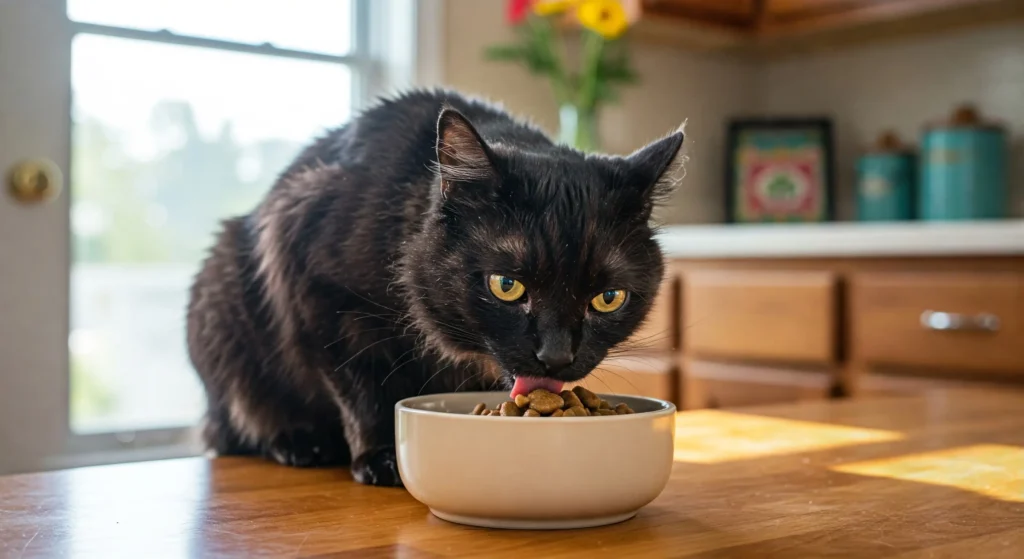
(636, 359)
(360, 352)
(469, 378)
(603, 370)
(633, 345)
(399, 364)
(363, 315)
(350, 334)
(606, 385)
(372, 302)
(425, 383)
(389, 313)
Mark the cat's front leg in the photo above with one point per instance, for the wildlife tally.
(368, 416)
(377, 467)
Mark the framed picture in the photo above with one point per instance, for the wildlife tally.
(779, 170)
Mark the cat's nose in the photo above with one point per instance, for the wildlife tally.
(555, 360)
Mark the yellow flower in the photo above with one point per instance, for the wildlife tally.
(605, 17)
(552, 7)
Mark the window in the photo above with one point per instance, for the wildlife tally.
(183, 114)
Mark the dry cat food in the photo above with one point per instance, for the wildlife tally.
(578, 402)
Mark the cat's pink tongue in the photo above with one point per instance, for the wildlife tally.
(525, 385)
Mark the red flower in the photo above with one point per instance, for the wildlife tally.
(517, 10)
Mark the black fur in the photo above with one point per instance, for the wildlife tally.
(361, 278)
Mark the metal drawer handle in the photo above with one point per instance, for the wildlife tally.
(935, 320)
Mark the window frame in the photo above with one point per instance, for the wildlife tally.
(383, 58)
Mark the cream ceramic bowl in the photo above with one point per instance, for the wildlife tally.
(532, 472)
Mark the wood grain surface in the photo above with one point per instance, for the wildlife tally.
(771, 316)
(885, 312)
(935, 475)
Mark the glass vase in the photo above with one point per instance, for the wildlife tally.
(578, 128)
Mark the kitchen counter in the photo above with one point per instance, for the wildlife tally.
(933, 475)
(827, 240)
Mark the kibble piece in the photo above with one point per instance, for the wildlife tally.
(545, 402)
(510, 409)
(570, 399)
(588, 398)
(578, 411)
(541, 403)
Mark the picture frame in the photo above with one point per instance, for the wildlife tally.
(780, 170)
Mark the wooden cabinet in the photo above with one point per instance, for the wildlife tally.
(966, 321)
(718, 385)
(733, 332)
(787, 317)
(875, 385)
(653, 376)
(790, 16)
(735, 13)
(760, 25)
(758, 331)
(759, 17)
(659, 331)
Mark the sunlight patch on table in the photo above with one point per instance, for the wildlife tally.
(992, 470)
(711, 436)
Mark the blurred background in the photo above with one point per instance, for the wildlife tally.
(844, 156)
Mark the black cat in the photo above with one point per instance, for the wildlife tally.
(432, 244)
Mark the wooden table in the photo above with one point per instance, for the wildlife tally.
(940, 475)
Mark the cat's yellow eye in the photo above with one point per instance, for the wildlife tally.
(609, 301)
(505, 288)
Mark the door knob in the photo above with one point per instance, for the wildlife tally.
(34, 181)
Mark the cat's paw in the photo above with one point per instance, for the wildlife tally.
(377, 467)
(305, 449)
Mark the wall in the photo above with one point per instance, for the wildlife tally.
(899, 85)
(903, 85)
(676, 86)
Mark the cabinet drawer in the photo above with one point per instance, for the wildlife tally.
(776, 316)
(944, 321)
(658, 331)
(651, 376)
(870, 385)
(714, 385)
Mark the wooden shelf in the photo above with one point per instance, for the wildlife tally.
(772, 28)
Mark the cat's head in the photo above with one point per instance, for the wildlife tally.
(539, 260)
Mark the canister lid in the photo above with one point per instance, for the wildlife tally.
(889, 142)
(965, 115)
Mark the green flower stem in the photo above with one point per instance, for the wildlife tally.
(559, 80)
(593, 50)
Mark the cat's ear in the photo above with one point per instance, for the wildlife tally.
(656, 168)
(462, 155)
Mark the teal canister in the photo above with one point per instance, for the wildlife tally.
(886, 181)
(963, 169)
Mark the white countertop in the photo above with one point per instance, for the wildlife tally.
(848, 239)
